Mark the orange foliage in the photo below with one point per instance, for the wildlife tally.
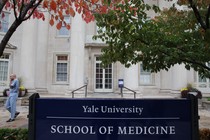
(59, 8)
(59, 25)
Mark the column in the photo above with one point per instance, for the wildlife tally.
(41, 54)
(131, 78)
(165, 81)
(77, 52)
(28, 53)
(179, 78)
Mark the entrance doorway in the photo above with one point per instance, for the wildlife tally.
(103, 77)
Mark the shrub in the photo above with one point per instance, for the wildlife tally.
(204, 134)
(13, 134)
(22, 134)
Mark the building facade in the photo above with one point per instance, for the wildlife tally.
(60, 61)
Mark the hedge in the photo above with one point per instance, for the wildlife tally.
(22, 134)
(13, 134)
(204, 134)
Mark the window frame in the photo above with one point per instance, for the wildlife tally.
(3, 59)
(56, 66)
(203, 83)
(152, 76)
(8, 22)
(58, 31)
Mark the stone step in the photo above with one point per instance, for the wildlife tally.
(1, 102)
(21, 101)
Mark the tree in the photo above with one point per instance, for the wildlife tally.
(173, 37)
(26, 9)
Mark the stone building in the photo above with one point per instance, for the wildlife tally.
(57, 62)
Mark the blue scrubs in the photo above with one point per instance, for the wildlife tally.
(12, 99)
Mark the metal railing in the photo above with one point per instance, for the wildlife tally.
(85, 86)
(134, 93)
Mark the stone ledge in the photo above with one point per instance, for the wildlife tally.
(21, 101)
(206, 105)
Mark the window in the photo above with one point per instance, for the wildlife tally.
(64, 31)
(4, 68)
(62, 68)
(4, 22)
(204, 82)
(146, 77)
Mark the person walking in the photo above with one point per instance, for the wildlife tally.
(12, 99)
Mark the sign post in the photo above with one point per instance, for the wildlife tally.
(113, 119)
(121, 85)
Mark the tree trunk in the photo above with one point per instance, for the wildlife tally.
(2, 4)
(8, 35)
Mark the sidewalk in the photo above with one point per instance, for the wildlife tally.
(22, 120)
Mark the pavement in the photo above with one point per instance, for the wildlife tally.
(22, 120)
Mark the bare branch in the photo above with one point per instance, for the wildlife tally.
(14, 2)
(34, 8)
(21, 8)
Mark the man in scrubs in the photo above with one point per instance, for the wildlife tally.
(12, 99)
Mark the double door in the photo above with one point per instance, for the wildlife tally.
(103, 77)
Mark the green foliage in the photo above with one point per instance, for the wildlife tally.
(174, 37)
(13, 134)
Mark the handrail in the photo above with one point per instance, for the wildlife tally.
(134, 93)
(79, 89)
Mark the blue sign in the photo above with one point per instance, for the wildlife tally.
(120, 83)
(111, 119)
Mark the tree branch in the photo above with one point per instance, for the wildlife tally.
(21, 8)
(23, 14)
(8, 35)
(34, 8)
(197, 14)
(190, 61)
(2, 4)
(14, 2)
(207, 17)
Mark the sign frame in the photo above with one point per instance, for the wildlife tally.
(193, 109)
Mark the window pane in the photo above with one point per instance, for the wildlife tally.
(62, 57)
(61, 72)
(4, 22)
(64, 31)
(202, 79)
(145, 76)
(3, 70)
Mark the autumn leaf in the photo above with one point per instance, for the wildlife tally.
(56, 17)
(59, 25)
(45, 4)
(7, 5)
(2, 15)
(103, 9)
(71, 12)
(60, 15)
(51, 22)
(68, 27)
(53, 5)
(94, 1)
(59, 1)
